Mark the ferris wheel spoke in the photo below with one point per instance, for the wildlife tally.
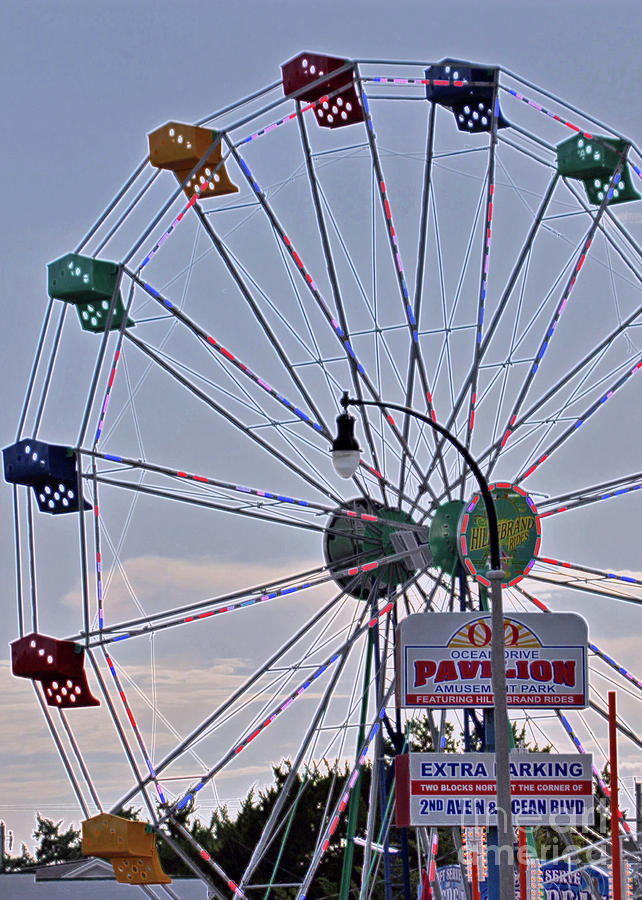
(606, 232)
(281, 586)
(607, 490)
(410, 313)
(229, 703)
(268, 832)
(248, 737)
(314, 291)
(500, 311)
(247, 492)
(580, 420)
(426, 195)
(588, 570)
(548, 335)
(334, 282)
(583, 587)
(209, 401)
(161, 621)
(188, 498)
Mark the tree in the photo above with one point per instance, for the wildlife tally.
(15, 863)
(55, 845)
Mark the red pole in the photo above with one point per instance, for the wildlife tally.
(426, 890)
(475, 868)
(615, 809)
(522, 856)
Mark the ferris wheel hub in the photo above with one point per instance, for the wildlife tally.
(364, 531)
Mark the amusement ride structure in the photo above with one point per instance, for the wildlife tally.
(445, 238)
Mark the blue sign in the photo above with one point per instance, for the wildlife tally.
(564, 882)
(451, 883)
(561, 881)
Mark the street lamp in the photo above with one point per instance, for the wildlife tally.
(346, 457)
(346, 452)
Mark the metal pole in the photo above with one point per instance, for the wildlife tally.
(505, 855)
(615, 808)
(522, 857)
(498, 671)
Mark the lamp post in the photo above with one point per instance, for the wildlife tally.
(346, 456)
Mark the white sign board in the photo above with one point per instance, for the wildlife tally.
(444, 659)
(459, 789)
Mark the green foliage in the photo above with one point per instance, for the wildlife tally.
(55, 845)
(15, 863)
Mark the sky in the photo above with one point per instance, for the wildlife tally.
(83, 84)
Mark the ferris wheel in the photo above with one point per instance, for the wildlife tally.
(192, 572)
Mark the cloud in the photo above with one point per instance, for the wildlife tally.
(147, 583)
(630, 217)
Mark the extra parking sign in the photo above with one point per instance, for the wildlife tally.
(460, 789)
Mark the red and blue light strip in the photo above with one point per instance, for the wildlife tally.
(255, 492)
(562, 121)
(343, 802)
(602, 655)
(583, 418)
(302, 268)
(171, 228)
(367, 567)
(583, 502)
(568, 565)
(282, 121)
(232, 358)
(132, 720)
(548, 113)
(596, 774)
(191, 793)
(410, 314)
(107, 397)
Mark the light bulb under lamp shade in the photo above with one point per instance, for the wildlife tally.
(346, 462)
